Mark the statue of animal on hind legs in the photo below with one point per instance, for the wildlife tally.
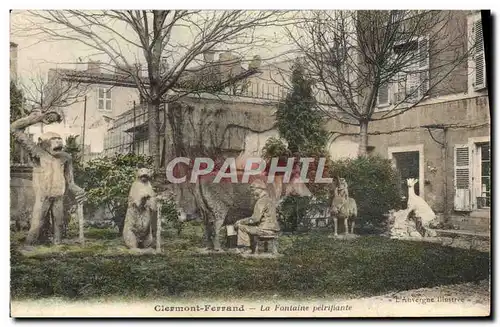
(343, 207)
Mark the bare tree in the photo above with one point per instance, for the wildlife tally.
(52, 92)
(171, 44)
(375, 65)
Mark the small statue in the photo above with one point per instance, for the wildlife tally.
(343, 207)
(263, 221)
(52, 175)
(140, 221)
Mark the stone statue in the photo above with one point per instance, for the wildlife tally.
(222, 204)
(401, 225)
(52, 175)
(343, 206)
(263, 221)
(422, 211)
(413, 221)
(140, 220)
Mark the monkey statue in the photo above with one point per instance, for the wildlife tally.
(140, 220)
(52, 176)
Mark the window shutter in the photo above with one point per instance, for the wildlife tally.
(383, 95)
(480, 80)
(412, 86)
(462, 184)
(100, 98)
(423, 46)
(424, 83)
(423, 51)
(400, 92)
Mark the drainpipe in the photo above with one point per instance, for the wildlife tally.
(444, 153)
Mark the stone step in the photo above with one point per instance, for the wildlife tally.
(482, 213)
(470, 223)
(450, 232)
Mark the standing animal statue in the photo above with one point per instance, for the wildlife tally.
(421, 209)
(343, 207)
(221, 204)
(52, 176)
(140, 223)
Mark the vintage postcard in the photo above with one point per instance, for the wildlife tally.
(250, 163)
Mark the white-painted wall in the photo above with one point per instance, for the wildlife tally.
(96, 126)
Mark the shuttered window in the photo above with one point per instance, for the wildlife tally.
(462, 199)
(479, 60)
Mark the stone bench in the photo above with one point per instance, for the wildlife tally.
(270, 243)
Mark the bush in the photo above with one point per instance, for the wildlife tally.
(293, 210)
(375, 186)
(107, 182)
(170, 215)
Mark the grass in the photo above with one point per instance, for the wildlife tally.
(312, 265)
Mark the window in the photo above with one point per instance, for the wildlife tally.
(383, 95)
(103, 98)
(412, 84)
(479, 78)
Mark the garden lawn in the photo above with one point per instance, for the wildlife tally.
(311, 266)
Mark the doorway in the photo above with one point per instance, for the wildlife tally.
(407, 165)
(408, 162)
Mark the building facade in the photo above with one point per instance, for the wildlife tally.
(444, 141)
(99, 97)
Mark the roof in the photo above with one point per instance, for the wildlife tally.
(199, 75)
(86, 76)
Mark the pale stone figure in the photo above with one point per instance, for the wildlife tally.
(401, 226)
(52, 176)
(423, 212)
(263, 221)
(222, 204)
(418, 225)
(140, 220)
(343, 207)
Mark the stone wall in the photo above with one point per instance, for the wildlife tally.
(21, 193)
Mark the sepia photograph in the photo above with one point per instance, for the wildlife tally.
(197, 163)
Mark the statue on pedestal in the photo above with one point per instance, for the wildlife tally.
(52, 176)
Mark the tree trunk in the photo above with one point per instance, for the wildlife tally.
(154, 134)
(363, 138)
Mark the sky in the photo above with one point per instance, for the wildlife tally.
(37, 54)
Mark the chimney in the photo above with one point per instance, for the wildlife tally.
(225, 57)
(94, 67)
(209, 56)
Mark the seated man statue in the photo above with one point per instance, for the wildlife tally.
(263, 221)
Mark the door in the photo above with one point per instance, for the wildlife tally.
(407, 164)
